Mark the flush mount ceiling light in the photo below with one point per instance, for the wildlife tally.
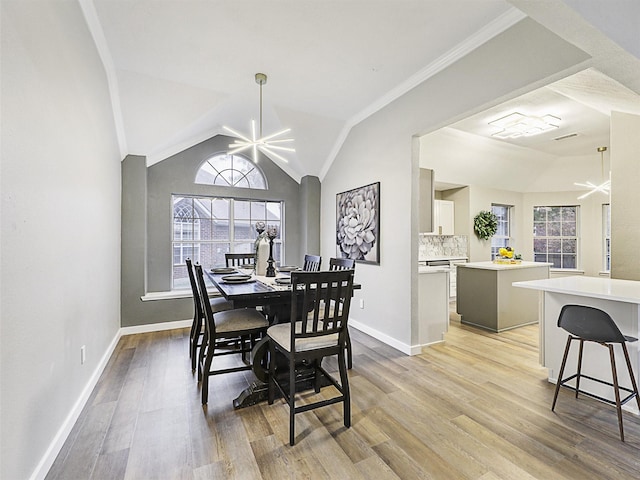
(517, 125)
(604, 187)
(266, 144)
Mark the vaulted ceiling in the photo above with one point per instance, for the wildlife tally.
(182, 70)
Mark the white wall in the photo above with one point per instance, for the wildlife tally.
(60, 181)
(625, 195)
(380, 149)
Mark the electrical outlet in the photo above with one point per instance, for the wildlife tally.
(362, 303)
(83, 354)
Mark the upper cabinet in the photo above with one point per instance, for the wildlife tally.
(425, 208)
(443, 217)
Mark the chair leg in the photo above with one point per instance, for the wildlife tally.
(349, 354)
(634, 385)
(559, 380)
(196, 327)
(292, 399)
(346, 394)
(579, 367)
(205, 373)
(616, 390)
(272, 373)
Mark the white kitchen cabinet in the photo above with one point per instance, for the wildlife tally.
(443, 217)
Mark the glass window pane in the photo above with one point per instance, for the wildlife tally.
(540, 257)
(540, 245)
(539, 214)
(539, 229)
(554, 246)
(555, 259)
(220, 208)
(221, 230)
(569, 214)
(258, 211)
(240, 247)
(554, 229)
(243, 230)
(274, 211)
(568, 229)
(554, 214)
(204, 230)
(242, 209)
(569, 245)
(568, 261)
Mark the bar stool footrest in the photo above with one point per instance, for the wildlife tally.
(631, 395)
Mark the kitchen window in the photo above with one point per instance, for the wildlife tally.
(205, 228)
(555, 236)
(502, 237)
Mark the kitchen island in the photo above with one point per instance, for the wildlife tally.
(619, 298)
(487, 300)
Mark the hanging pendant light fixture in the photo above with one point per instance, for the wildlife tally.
(604, 187)
(257, 141)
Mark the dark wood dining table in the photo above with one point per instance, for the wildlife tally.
(275, 301)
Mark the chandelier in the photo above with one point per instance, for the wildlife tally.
(604, 187)
(257, 141)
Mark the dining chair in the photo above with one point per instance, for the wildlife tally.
(218, 304)
(228, 332)
(321, 301)
(344, 264)
(589, 324)
(312, 263)
(239, 259)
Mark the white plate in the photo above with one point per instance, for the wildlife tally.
(237, 278)
(223, 270)
(288, 268)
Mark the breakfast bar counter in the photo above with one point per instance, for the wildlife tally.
(487, 300)
(619, 298)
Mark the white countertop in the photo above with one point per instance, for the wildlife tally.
(443, 269)
(593, 287)
(503, 266)
(444, 257)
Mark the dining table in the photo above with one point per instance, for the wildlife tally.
(273, 296)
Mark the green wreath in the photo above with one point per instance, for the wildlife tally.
(485, 224)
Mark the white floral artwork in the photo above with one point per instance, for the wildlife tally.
(358, 224)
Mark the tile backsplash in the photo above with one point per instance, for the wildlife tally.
(442, 246)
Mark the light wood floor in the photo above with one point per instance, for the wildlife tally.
(474, 407)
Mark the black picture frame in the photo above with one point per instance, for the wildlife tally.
(358, 224)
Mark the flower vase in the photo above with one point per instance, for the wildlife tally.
(262, 255)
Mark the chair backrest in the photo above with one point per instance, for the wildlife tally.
(323, 300)
(341, 263)
(312, 263)
(238, 259)
(589, 323)
(210, 326)
(194, 289)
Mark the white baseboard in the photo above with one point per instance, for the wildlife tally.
(56, 445)
(155, 327)
(50, 455)
(383, 337)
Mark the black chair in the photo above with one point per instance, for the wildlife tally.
(312, 263)
(229, 332)
(589, 324)
(321, 301)
(218, 304)
(240, 259)
(344, 264)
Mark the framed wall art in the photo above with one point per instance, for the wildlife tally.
(358, 224)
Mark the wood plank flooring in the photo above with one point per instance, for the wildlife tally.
(474, 407)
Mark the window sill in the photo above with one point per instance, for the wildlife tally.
(172, 295)
(569, 271)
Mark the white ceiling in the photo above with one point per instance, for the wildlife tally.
(184, 69)
(181, 70)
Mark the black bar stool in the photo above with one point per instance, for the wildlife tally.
(589, 324)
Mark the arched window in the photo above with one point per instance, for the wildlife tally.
(231, 171)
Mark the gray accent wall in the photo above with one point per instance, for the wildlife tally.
(147, 220)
